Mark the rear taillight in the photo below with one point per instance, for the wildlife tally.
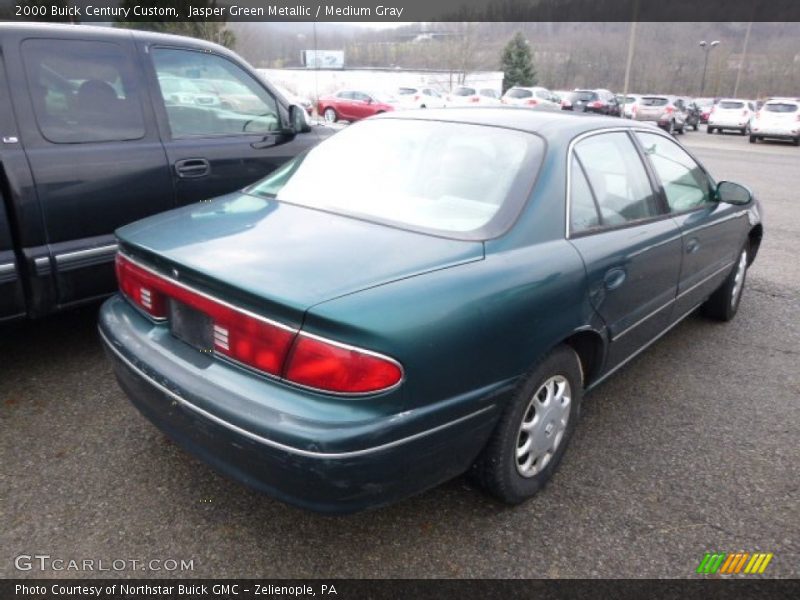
(532, 102)
(417, 97)
(475, 99)
(597, 104)
(320, 364)
(757, 116)
(263, 344)
(669, 110)
(744, 113)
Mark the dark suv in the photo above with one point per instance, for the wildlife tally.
(101, 127)
(597, 101)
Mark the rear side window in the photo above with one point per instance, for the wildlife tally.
(83, 91)
(206, 94)
(617, 178)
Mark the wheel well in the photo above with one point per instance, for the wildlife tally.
(588, 345)
(755, 235)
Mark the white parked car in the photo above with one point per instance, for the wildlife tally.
(420, 97)
(630, 105)
(731, 113)
(777, 119)
(463, 95)
(537, 98)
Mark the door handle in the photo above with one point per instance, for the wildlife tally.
(692, 246)
(614, 278)
(192, 167)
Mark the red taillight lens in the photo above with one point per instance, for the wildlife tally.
(319, 364)
(475, 99)
(141, 287)
(260, 343)
(669, 110)
(417, 97)
(532, 102)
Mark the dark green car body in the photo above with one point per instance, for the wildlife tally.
(466, 318)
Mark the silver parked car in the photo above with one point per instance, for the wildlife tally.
(668, 112)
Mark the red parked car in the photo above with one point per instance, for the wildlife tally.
(351, 105)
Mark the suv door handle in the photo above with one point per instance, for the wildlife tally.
(192, 167)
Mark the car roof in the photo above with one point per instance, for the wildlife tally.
(551, 125)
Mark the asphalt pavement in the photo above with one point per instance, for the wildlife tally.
(694, 447)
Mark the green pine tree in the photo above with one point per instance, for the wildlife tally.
(517, 63)
(213, 31)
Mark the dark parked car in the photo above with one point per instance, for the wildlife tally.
(353, 105)
(416, 297)
(597, 101)
(104, 126)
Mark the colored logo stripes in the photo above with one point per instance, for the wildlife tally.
(733, 563)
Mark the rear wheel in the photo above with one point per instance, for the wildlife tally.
(709, 130)
(695, 126)
(723, 304)
(330, 115)
(743, 131)
(797, 141)
(753, 139)
(533, 432)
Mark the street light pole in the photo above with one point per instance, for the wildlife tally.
(706, 50)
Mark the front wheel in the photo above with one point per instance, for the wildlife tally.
(723, 304)
(533, 432)
(753, 139)
(330, 115)
(709, 130)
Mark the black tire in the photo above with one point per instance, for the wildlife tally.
(496, 469)
(722, 305)
(753, 139)
(695, 127)
(743, 131)
(709, 130)
(796, 141)
(330, 115)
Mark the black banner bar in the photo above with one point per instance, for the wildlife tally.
(391, 589)
(93, 11)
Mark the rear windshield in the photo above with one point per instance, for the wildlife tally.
(406, 91)
(518, 93)
(464, 91)
(727, 104)
(583, 95)
(654, 101)
(453, 179)
(781, 107)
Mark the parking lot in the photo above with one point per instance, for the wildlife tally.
(694, 447)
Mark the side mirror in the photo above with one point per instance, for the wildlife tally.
(733, 193)
(298, 119)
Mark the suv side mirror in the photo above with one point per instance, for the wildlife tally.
(298, 119)
(733, 193)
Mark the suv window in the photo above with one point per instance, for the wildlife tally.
(83, 91)
(618, 178)
(206, 94)
(685, 184)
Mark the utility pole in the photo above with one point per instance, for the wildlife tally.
(631, 44)
(742, 60)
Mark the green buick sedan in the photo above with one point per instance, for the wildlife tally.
(424, 294)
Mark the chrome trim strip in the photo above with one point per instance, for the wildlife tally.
(644, 347)
(66, 257)
(8, 268)
(705, 279)
(278, 445)
(642, 320)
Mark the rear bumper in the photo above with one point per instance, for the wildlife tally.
(780, 134)
(336, 463)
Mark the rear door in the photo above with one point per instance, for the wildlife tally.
(712, 232)
(215, 144)
(629, 244)
(95, 157)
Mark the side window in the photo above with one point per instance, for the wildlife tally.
(583, 212)
(206, 94)
(685, 184)
(83, 91)
(617, 178)
(360, 97)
